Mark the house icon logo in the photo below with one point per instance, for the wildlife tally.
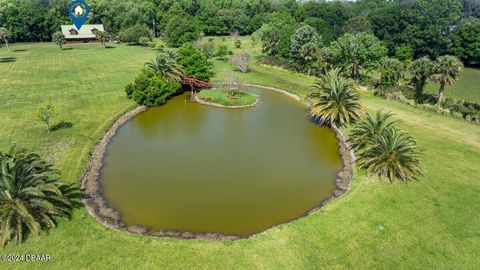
(78, 11)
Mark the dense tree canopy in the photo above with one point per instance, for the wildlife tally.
(418, 28)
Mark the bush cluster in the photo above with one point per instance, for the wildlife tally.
(150, 90)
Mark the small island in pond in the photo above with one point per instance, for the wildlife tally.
(226, 97)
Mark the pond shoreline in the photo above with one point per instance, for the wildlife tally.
(98, 208)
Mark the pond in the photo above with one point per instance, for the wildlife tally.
(189, 167)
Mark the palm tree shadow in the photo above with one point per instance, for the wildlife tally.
(61, 125)
(7, 59)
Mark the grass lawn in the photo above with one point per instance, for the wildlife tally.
(429, 224)
(467, 88)
(222, 97)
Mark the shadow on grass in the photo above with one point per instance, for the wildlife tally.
(67, 49)
(20, 50)
(110, 47)
(61, 125)
(7, 59)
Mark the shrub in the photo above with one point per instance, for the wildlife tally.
(222, 51)
(144, 41)
(237, 43)
(134, 33)
(241, 61)
(151, 90)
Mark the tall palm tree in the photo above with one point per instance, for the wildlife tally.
(165, 65)
(31, 196)
(367, 131)
(336, 101)
(421, 69)
(393, 155)
(446, 71)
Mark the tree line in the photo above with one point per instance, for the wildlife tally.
(406, 27)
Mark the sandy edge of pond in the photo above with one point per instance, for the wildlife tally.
(97, 206)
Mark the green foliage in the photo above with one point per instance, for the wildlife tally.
(393, 154)
(446, 71)
(237, 43)
(305, 34)
(134, 33)
(144, 41)
(45, 113)
(181, 28)
(222, 52)
(357, 24)
(391, 71)
(275, 35)
(467, 42)
(404, 53)
(323, 28)
(336, 101)
(151, 89)
(194, 62)
(357, 53)
(59, 39)
(31, 196)
(421, 69)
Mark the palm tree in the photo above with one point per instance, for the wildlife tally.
(367, 131)
(421, 69)
(31, 196)
(166, 65)
(393, 155)
(336, 101)
(446, 71)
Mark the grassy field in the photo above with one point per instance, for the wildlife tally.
(467, 88)
(429, 224)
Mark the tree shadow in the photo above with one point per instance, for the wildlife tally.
(110, 47)
(20, 50)
(7, 59)
(61, 125)
(67, 49)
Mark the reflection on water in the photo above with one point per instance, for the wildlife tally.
(184, 166)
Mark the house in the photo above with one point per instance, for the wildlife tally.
(86, 34)
(78, 11)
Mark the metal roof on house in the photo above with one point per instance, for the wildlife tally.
(84, 32)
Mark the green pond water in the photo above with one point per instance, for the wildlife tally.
(189, 167)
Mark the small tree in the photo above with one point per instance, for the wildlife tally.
(446, 71)
(237, 43)
(241, 61)
(5, 35)
(45, 114)
(302, 36)
(59, 39)
(103, 37)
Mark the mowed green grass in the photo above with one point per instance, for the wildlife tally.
(429, 224)
(467, 87)
(221, 96)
